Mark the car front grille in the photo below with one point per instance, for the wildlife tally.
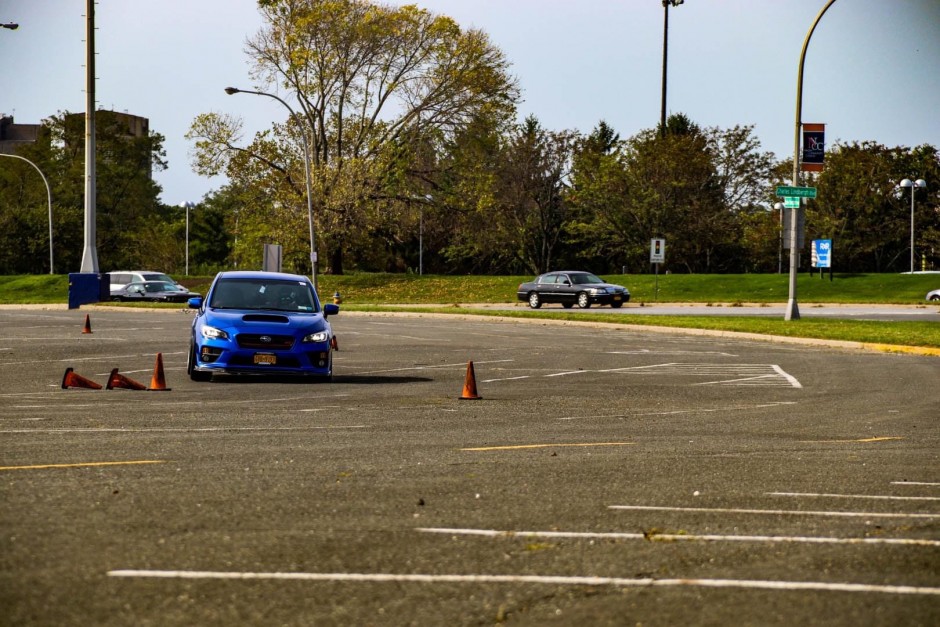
(264, 341)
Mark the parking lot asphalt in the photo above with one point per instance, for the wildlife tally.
(608, 475)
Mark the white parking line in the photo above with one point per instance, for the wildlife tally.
(857, 496)
(772, 512)
(673, 412)
(462, 364)
(926, 483)
(532, 579)
(677, 537)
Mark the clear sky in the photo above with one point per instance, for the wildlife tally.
(872, 70)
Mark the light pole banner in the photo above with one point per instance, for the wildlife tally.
(814, 147)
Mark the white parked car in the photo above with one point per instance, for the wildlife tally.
(120, 278)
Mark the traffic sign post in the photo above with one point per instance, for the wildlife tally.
(657, 256)
(822, 256)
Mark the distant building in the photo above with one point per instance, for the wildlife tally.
(13, 135)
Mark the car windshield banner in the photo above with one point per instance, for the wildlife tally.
(814, 147)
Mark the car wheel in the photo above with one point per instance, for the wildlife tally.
(534, 301)
(584, 300)
(195, 375)
(616, 305)
(567, 305)
(935, 297)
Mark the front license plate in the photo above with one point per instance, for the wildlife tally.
(265, 359)
(617, 297)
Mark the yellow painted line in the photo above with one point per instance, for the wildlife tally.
(862, 440)
(83, 465)
(524, 446)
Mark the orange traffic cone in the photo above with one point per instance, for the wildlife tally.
(470, 385)
(158, 381)
(87, 328)
(120, 381)
(72, 380)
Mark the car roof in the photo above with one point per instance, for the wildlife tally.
(259, 274)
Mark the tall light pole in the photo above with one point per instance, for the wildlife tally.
(300, 125)
(187, 205)
(793, 310)
(921, 183)
(90, 252)
(48, 199)
(662, 112)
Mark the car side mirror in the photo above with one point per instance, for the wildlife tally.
(330, 310)
(195, 303)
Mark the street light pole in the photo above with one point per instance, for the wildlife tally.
(921, 183)
(187, 205)
(313, 244)
(48, 199)
(793, 310)
(662, 112)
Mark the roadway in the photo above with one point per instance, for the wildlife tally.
(607, 476)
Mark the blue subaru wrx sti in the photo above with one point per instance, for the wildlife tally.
(261, 323)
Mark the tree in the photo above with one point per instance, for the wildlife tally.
(861, 208)
(131, 223)
(365, 76)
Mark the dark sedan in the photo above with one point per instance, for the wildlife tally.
(153, 291)
(570, 288)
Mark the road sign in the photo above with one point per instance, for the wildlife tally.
(657, 250)
(799, 192)
(822, 253)
(791, 202)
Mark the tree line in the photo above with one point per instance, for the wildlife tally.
(417, 158)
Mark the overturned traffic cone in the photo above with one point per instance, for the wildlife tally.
(158, 381)
(470, 385)
(73, 380)
(120, 381)
(87, 327)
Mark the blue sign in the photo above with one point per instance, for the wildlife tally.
(822, 253)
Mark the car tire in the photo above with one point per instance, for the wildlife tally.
(935, 298)
(534, 301)
(584, 301)
(195, 375)
(567, 305)
(616, 305)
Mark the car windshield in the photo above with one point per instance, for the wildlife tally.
(264, 294)
(584, 278)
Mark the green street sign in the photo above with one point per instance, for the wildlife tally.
(791, 202)
(799, 192)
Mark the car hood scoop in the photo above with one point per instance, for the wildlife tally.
(266, 318)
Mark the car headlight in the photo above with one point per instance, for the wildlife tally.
(597, 290)
(319, 336)
(211, 333)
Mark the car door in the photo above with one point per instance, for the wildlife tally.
(546, 288)
(565, 292)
